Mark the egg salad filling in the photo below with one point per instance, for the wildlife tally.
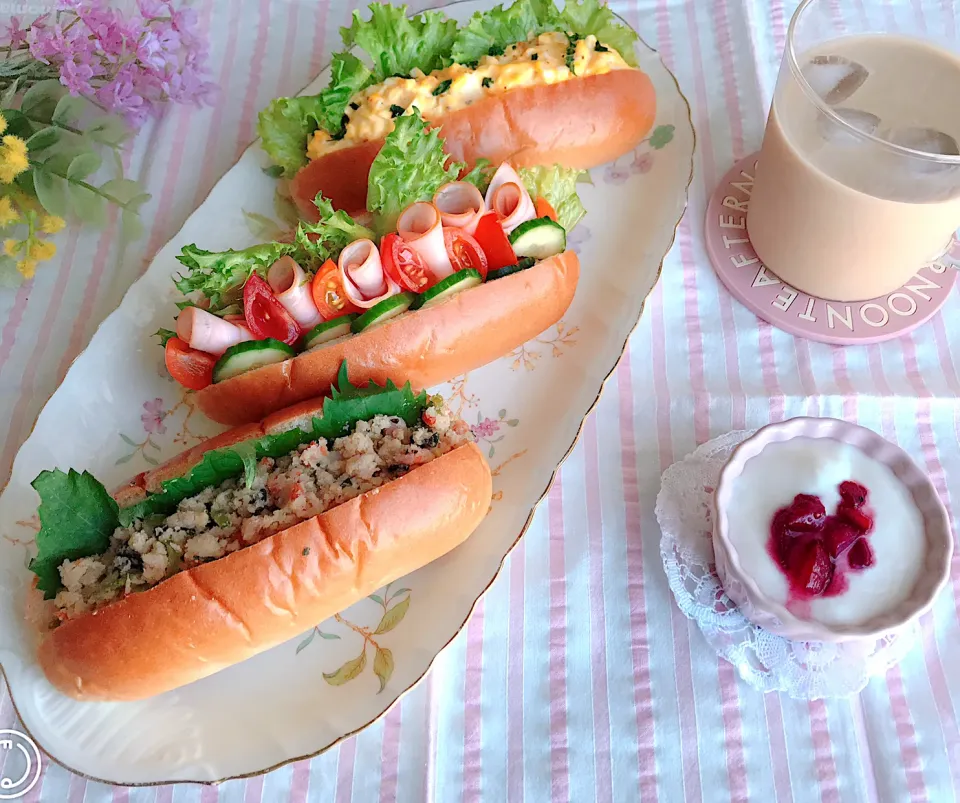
(549, 58)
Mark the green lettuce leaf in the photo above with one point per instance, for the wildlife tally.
(77, 517)
(341, 412)
(481, 175)
(286, 125)
(220, 275)
(164, 335)
(586, 17)
(410, 167)
(491, 32)
(397, 44)
(559, 186)
(334, 231)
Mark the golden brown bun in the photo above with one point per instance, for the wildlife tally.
(207, 618)
(424, 347)
(579, 123)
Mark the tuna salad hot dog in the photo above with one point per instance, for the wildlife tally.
(527, 85)
(450, 275)
(247, 539)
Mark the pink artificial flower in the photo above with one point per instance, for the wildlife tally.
(76, 77)
(485, 428)
(16, 36)
(153, 417)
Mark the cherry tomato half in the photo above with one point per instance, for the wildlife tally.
(266, 316)
(191, 368)
(494, 242)
(464, 251)
(327, 292)
(545, 209)
(404, 265)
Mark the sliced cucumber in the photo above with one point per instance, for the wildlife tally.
(384, 311)
(325, 331)
(248, 355)
(453, 284)
(540, 238)
(523, 264)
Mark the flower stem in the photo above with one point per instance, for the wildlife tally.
(95, 190)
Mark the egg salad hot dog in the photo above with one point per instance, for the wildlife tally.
(247, 539)
(449, 275)
(527, 85)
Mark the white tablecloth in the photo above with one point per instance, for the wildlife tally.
(577, 677)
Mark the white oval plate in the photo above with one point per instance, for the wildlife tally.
(117, 412)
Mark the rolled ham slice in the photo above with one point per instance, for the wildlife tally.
(460, 204)
(204, 331)
(289, 284)
(421, 227)
(507, 196)
(364, 281)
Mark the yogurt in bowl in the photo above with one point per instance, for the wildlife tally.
(825, 531)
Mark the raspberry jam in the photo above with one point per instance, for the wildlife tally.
(816, 550)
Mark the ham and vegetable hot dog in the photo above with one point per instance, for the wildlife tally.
(449, 275)
(247, 539)
(527, 85)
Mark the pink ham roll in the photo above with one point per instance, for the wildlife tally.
(292, 289)
(421, 227)
(204, 331)
(364, 281)
(460, 204)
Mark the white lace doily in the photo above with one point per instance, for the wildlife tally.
(805, 670)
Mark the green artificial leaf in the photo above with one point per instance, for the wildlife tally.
(559, 186)
(383, 666)
(51, 191)
(7, 98)
(592, 17)
(349, 670)
(216, 275)
(131, 226)
(18, 124)
(108, 130)
(40, 101)
(10, 277)
(126, 191)
(481, 175)
(393, 617)
(410, 167)
(77, 518)
(68, 108)
(661, 137)
(498, 28)
(84, 164)
(44, 138)
(87, 205)
(334, 231)
(396, 44)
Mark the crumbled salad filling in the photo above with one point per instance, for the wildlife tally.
(310, 480)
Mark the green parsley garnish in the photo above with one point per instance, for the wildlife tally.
(442, 87)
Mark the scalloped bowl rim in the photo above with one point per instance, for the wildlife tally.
(940, 542)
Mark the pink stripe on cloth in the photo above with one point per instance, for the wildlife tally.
(300, 782)
(515, 623)
(289, 45)
(603, 770)
(209, 793)
(390, 754)
(121, 794)
(636, 585)
(249, 109)
(345, 763)
(77, 789)
(559, 753)
(8, 335)
(472, 708)
(768, 370)
(164, 794)
(779, 757)
(907, 735)
(728, 68)
(733, 731)
(253, 791)
(823, 752)
(701, 405)
(319, 52)
(778, 22)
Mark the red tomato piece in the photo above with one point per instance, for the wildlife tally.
(545, 209)
(266, 316)
(464, 251)
(491, 237)
(328, 294)
(191, 368)
(404, 265)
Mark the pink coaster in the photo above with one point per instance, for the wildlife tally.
(837, 322)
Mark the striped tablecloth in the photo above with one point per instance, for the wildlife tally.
(577, 677)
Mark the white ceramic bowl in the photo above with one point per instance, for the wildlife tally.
(773, 616)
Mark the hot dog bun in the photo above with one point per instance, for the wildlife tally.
(424, 347)
(204, 619)
(580, 123)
